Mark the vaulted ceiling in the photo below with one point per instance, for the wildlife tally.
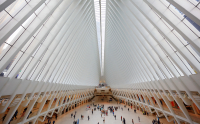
(127, 43)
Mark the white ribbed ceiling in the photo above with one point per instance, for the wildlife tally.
(62, 41)
(151, 40)
(52, 41)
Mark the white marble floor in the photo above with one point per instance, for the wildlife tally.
(96, 116)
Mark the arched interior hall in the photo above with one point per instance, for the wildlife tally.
(60, 54)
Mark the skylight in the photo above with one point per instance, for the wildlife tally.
(100, 13)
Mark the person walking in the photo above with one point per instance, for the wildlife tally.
(101, 114)
(92, 111)
(104, 120)
(128, 109)
(15, 115)
(71, 115)
(3, 118)
(138, 118)
(121, 118)
(98, 123)
(88, 118)
(57, 116)
(75, 112)
(74, 116)
(49, 121)
(115, 117)
(132, 121)
(53, 122)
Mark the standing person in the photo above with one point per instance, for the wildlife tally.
(88, 118)
(22, 114)
(53, 122)
(25, 109)
(49, 121)
(75, 112)
(15, 115)
(57, 116)
(71, 115)
(138, 118)
(104, 120)
(115, 117)
(3, 118)
(153, 121)
(92, 111)
(121, 118)
(158, 121)
(101, 114)
(128, 109)
(132, 121)
(29, 114)
(98, 123)
(74, 116)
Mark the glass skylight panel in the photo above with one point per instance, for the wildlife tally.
(100, 13)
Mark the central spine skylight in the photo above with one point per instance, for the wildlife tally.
(100, 13)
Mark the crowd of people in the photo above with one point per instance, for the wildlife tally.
(15, 114)
(112, 110)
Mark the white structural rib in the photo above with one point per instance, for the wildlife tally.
(48, 50)
(153, 46)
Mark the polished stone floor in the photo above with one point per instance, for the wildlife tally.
(96, 116)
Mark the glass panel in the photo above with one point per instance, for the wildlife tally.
(27, 44)
(15, 7)
(186, 64)
(3, 50)
(47, 1)
(40, 9)
(13, 63)
(176, 12)
(194, 2)
(192, 26)
(25, 67)
(183, 41)
(4, 19)
(166, 3)
(29, 20)
(11, 40)
(195, 53)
